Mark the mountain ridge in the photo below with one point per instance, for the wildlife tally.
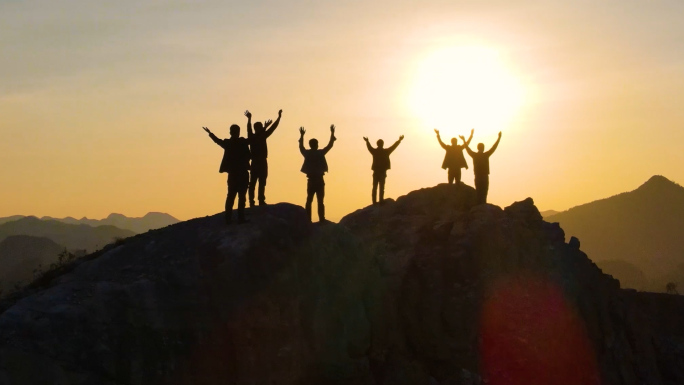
(643, 227)
(150, 221)
(429, 288)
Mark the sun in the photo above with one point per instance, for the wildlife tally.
(463, 87)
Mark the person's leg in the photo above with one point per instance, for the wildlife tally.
(230, 198)
(457, 175)
(262, 184)
(242, 192)
(375, 187)
(253, 176)
(309, 196)
(450, 175)
(381, 181)
(481, 187)
(320, 195)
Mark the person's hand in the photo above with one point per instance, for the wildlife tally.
(401, 138)
(280, 112)
(365, 138)
(268, 122)
(462, 137)
(302, 131)
(437, 132)
(499, 134)
(471, 131)
(332, 132)
(248, 114)
(207, 130)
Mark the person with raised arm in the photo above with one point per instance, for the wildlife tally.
(314, 167)
(235, 162)
(259, 149)
(381, 163)
(481, 168)
(454, 160)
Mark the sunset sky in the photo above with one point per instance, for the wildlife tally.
(102, 103)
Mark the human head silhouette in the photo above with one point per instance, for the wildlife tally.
(258, 127)
(381, 143)
(234, 131)
(480, 147)
(313, 143)
(454, 141)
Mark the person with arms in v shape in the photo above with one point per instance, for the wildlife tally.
(381, 163)
(259, 150)
(454, 160)
(314, 167)
(481, 169)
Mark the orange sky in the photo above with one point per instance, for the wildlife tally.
(102, 104)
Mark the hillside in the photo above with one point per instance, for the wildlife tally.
(548, 213)
(427, 289)
(644, 227)
(20, 255)
(73, 237)
(150, 221)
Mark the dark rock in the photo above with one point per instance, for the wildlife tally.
(428, 289)
(574, 243)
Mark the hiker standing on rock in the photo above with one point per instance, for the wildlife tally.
(481, 168)
(381, 163)
(454, 160)
(314, 167)
(235, 162)
(259, 149)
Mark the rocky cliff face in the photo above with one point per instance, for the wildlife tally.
(429, 289)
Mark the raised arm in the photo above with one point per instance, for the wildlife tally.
(396, 144)
(269, 131)
(444, 146)
(302, 131)
(213, 137)
(496, 144)
(368, 145)
(466, 142)
(332, 139)
(470, 152)
(249, 123)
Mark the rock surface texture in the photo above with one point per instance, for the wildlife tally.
(428, 289)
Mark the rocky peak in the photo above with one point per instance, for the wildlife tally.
(427, 289)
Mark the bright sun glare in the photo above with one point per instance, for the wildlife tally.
(459, 88)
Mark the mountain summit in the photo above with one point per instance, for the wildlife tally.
(427, 289)
(643, 227)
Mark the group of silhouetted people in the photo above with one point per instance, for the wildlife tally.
(454, 161)
(245, 161)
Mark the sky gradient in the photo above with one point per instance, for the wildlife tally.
(102, 103)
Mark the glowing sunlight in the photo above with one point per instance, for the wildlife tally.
(465, 87)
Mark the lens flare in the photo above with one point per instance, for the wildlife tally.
(530, 335)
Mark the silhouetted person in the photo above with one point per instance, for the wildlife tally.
(454, 160)
(236, 163)
(481, 168)
(259, 149)
(381, 163)
(314, 167)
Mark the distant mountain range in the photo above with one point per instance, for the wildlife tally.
(150, 221)
(548, 213)
(71, 236)
(633, 233)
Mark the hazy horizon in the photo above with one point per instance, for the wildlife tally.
(103, 104)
